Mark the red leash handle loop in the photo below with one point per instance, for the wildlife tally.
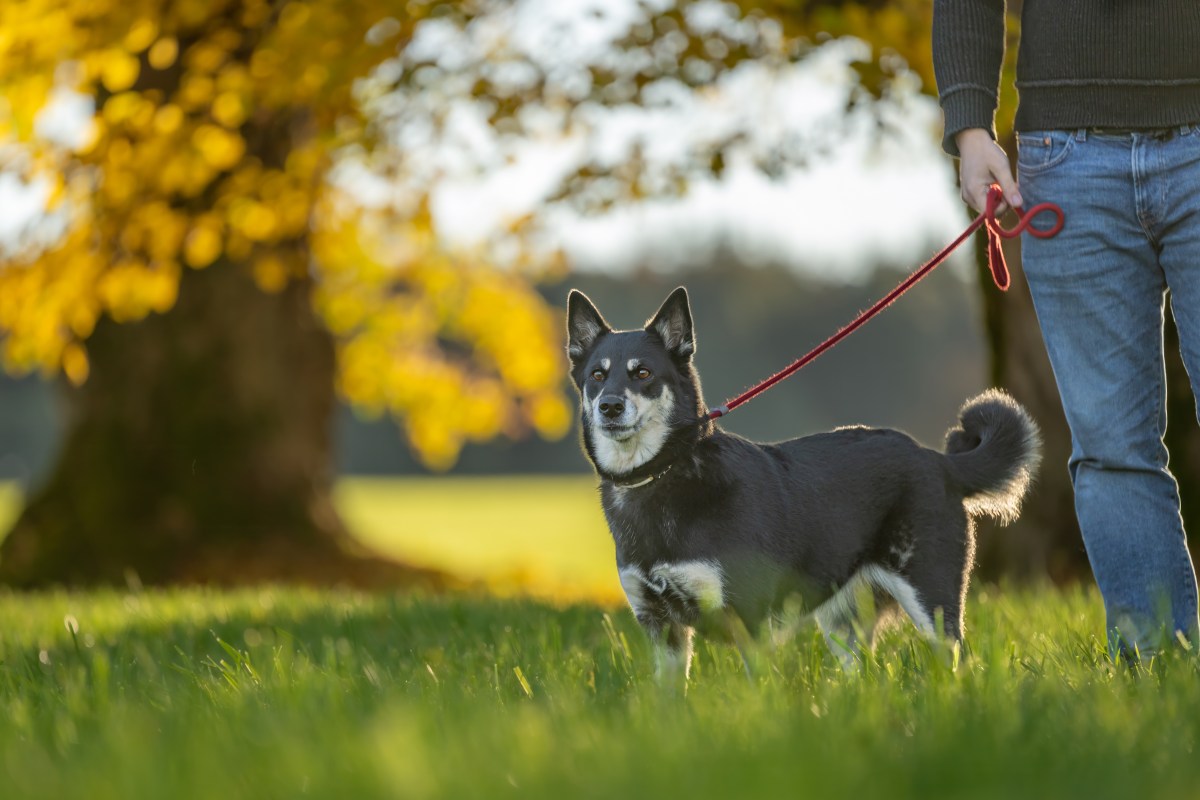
(995, 232)
(1024, 218)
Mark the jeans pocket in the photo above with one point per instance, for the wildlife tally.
(1039, 151)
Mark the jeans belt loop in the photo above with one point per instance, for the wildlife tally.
(1081, 134)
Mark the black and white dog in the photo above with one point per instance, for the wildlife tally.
(715, 533)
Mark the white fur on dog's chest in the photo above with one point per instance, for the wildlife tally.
(700, 582)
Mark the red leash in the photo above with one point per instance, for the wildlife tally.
(995, 261)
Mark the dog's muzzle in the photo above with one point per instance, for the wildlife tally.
(611, 406)
(614, 417)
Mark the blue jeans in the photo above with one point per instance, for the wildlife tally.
(1132, 205)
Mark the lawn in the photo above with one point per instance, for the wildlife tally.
(286, 693)
(275, 692)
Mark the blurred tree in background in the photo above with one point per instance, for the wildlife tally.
(204, 263)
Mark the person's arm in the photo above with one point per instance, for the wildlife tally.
(968, 50)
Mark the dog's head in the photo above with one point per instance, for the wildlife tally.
(636, 388)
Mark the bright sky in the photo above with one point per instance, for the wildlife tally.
(853, 194)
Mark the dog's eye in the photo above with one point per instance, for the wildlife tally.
(597, 375)
(641, 373)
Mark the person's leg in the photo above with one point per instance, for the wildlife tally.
(1171, 168)
(1099, 294)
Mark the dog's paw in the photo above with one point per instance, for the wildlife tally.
(699, 584)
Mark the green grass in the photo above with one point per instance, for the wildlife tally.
(289, 693)
(284, 693)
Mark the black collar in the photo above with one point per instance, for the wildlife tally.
(634, 482)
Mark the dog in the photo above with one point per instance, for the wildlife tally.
(715, 534)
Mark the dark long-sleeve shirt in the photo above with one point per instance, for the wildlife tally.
(1081, 63)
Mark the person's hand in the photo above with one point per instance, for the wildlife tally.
(982, 162)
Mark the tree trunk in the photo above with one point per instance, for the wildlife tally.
(198, 450)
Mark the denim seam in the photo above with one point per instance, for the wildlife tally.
(1188, 578)
(1160, 392)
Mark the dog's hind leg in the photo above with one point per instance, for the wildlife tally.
(932, 590)
(844, 643)
(908, 596)
(836, 623)
(939, 569)
(931, 594)
(849, 619)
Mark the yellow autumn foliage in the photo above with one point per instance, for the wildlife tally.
(215, 124)
(502, 373)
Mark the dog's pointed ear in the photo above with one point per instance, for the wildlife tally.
(584, 325)
(673, 324)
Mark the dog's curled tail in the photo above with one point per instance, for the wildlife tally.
(993, 453)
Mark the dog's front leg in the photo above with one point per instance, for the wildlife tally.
(672, 654)
(667, 614)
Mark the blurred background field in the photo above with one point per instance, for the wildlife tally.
(543, 537)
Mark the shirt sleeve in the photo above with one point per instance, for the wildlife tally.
(968, 51)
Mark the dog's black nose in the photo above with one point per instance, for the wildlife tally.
(611, 406)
